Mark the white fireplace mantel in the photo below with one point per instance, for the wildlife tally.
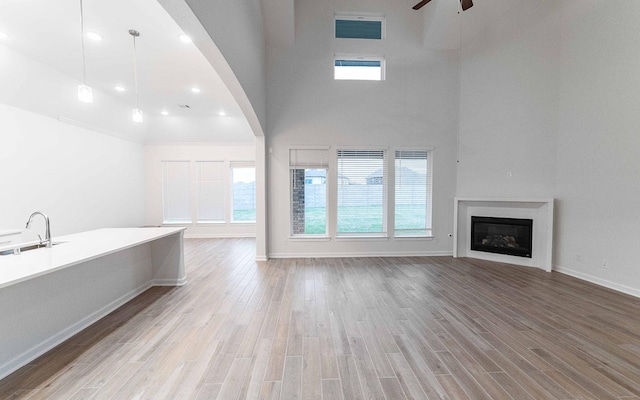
(540, 210)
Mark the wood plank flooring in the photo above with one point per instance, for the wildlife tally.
(350, 328)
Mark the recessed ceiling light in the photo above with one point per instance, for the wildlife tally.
(185, 38)
(3, 35)
(94, 36)
(164, 112)
(120, 88)
(222, 113)
(195, 90)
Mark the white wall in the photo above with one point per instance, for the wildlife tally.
(549, 92)
(82, 179)
(598, 178)
(415, 106)
(156, 153)
(510, 80)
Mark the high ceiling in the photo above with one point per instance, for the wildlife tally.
(49, 32)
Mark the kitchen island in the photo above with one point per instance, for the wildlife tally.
(49, 294)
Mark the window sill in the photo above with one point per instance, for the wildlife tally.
(414, 237)
(200, 223)
(177, 224)
(243, 222)
(309, 238)
(361, 238)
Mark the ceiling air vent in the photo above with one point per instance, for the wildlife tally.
(184, 106)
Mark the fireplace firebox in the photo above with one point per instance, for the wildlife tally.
(511, 236)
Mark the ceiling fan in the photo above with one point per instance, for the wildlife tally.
(466, 4)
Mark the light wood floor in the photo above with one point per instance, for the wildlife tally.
(350, 328)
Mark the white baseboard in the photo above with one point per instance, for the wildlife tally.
(48, 344)
(598, 281)
(262, 258)
(169, 282)
(367, 254)
(218, 236)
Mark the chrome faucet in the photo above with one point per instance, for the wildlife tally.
(47, 233)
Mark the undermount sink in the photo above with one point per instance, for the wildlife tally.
(21, 247)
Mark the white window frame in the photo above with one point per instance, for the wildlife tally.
(429, 194)
(389, 194)
(188, 193)
(385, 196)
(360, 57)
(225, 187)
(361, 17)
(239, 164)
(323, 164)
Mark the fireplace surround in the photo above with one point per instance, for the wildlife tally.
(539, 210)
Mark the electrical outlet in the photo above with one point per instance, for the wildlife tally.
(605, 263)
(509, 175)
(579, 258)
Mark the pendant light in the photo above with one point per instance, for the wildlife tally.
(85, 94)
(136, 114)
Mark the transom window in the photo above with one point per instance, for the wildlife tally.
(359, 68)
(359, 27)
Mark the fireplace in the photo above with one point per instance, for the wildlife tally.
(510, 236)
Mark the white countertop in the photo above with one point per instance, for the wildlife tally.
(75, 249)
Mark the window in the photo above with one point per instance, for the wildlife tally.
(211, 191)
(243, 193)
(359, 68)
(412, 193)
(308, 171)
(359, 27)
(175, 192)
(362, 181)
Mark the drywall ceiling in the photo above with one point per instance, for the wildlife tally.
(49, 33)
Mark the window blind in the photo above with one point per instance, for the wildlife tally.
(362, 181)
(412, 192)
(242, 164)
(308, 158)
(176, 192)
(358, 28)
(211, 191)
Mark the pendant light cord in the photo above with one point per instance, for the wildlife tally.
(135, 69)
(84, 63)
(135, 63)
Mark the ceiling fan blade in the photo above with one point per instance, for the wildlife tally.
(466, 4)
(421, 4)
